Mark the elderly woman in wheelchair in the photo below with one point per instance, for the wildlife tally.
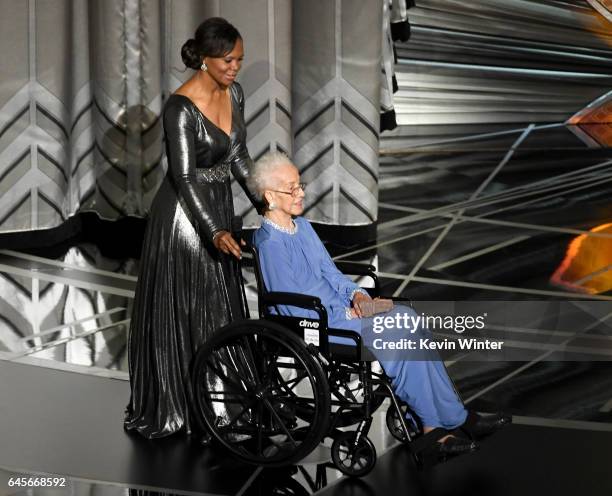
(271, 390)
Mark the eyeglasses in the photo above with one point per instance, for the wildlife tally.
(294, 192)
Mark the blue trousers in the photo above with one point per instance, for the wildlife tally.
(419, 378)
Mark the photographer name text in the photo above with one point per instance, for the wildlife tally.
(430, 344)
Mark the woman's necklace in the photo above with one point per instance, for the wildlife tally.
(289, 230)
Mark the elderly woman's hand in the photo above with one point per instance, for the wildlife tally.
(225, 243)
(362, 305)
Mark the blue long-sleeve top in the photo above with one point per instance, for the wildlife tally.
(297, 262)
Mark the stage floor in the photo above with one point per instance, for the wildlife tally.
(68, 424)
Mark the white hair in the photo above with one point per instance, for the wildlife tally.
(260, 178)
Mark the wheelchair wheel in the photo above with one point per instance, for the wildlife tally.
(347, 389)
(348, 417)
(349, 392)
(394, 423)
(244, 404)
(353, 460)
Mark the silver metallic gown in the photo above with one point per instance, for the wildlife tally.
(186, 289)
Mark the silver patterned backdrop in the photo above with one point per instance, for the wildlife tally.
(336, 94)
(84, 81)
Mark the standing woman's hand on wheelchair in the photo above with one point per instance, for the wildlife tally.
(225, 243)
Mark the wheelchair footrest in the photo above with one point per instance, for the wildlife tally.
(426, 440)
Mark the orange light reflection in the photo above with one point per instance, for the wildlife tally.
(586, 267)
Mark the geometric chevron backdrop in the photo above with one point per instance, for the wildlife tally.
(84, 82)
(336, 95)
(79, 109)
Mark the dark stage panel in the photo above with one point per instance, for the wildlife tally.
(520, 460)
(70, 424)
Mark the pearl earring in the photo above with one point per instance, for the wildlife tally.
(271, 206)
(204, 67)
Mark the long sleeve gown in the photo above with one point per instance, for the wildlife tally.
(186, 289)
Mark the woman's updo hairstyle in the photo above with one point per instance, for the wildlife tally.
(215, 37)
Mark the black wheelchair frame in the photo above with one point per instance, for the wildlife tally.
(270, 397)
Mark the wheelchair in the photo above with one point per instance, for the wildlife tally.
(271, 390)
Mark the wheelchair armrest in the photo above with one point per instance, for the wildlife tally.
(354, 268)
(303, 301)
(357, 269)
(297, 300)
(342, 333)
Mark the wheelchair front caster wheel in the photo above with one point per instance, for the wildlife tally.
(394, 424)
(350, 459)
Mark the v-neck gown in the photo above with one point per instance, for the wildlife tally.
(186, 289)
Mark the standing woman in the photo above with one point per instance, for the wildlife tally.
(188, 285)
